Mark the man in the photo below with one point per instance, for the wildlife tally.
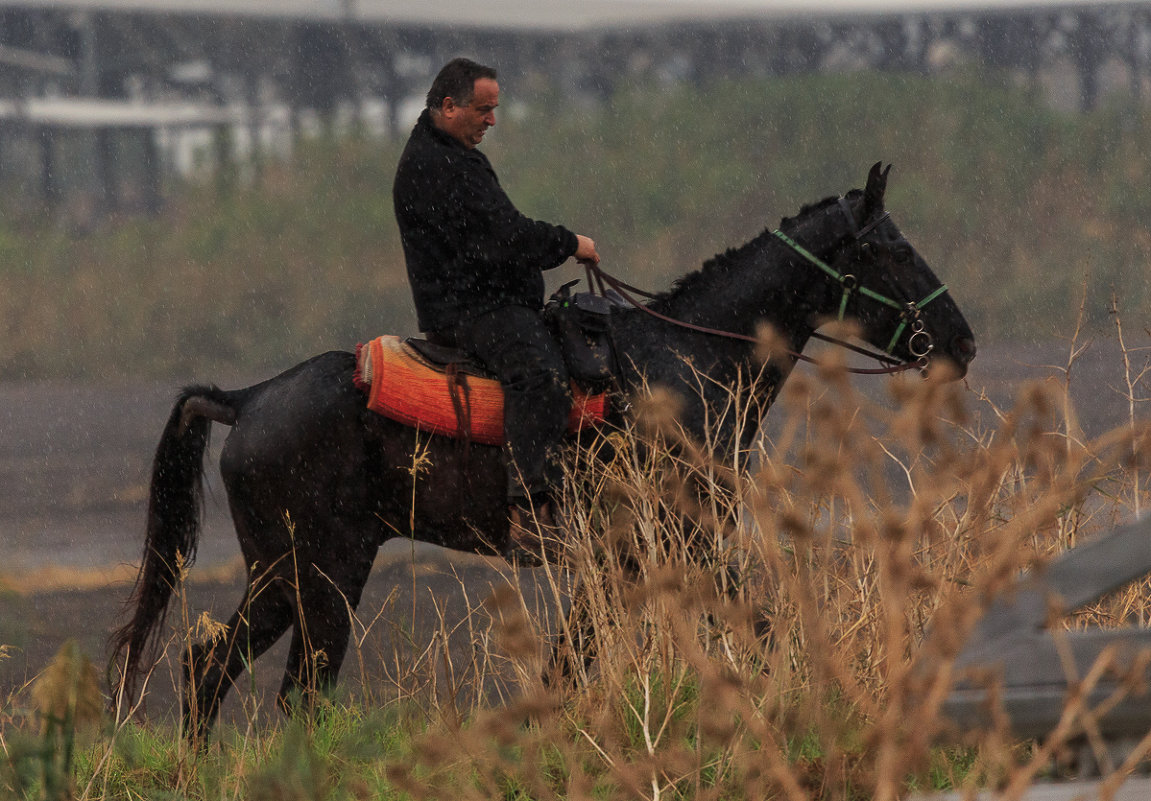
(474, 264)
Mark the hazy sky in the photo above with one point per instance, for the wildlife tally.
(541, 13)
(871, 5)
(598, 13)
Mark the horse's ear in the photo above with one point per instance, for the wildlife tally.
(876, 186)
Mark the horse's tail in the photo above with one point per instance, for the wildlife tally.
(175, 503)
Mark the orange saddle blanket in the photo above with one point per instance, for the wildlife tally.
(403, 385)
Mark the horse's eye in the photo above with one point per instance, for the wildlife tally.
(903, 256)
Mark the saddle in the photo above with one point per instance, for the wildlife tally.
(442, 390)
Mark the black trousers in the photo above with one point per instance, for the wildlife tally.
(515, 344)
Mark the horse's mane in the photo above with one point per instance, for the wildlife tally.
(723, 263)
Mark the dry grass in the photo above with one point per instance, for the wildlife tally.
(778, 626)
(789, 631)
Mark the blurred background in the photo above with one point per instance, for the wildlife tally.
(194, 188)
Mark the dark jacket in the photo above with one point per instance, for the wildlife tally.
(467, 248)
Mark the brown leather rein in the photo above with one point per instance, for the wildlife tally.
(597, 278)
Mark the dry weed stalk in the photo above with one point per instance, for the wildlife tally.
(777, 623)
(762, 632)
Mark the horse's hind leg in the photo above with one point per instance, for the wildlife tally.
(330, 588)
(210, 670)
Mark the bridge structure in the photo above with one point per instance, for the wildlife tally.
(96, 95)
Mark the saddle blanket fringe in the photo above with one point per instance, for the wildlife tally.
(401, 385)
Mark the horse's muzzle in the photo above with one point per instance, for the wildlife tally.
(961, 353)
(963, 349)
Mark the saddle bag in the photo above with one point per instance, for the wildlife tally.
(581, 323)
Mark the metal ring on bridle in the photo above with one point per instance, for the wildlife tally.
(919, 344)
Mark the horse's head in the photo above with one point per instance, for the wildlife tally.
(880, 280)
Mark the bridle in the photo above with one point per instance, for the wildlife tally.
(920, 343)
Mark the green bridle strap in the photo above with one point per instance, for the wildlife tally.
(849, 286)
(807, 254)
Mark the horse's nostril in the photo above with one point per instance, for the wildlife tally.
(964, 348)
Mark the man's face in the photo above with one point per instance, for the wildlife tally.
(468, 123)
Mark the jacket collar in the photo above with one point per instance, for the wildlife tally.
(425, 124)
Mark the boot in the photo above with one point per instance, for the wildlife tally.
(534, 536)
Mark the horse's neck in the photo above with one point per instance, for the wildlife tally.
(762, 283)
(742, 301)
(765, 283)
(710, 370)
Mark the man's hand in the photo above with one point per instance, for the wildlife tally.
(586, 252)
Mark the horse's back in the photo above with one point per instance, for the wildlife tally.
(297, 436)
(321, 387)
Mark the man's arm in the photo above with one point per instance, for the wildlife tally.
(490, 224)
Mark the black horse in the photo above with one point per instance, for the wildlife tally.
(316, 482)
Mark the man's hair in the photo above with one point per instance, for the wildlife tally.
(457, 80)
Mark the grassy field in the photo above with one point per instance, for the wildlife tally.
(789, 636)
(786, 634)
